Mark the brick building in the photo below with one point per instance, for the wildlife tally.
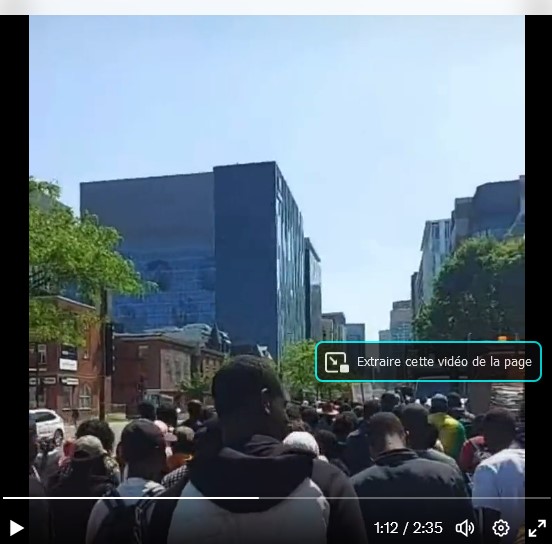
(154, 365)
(63, 377)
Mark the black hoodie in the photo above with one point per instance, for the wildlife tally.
(82, 478)
(294, 498)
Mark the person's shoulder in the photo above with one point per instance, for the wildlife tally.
(430, 468)
(450, 421)
(373, 472)
(504, 457)
(434, 455)
(354, 434)
(331, 480)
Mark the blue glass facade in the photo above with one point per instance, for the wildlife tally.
(167, 229)
(259, 249)
(186, 290)
(313, 293)
(224, 247)
(290, 266)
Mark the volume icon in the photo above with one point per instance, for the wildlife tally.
(466, 528)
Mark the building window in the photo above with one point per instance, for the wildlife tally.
(85, 397)
(32, 398)
(435, 231)
(67, 392)
(142, 352)
(86, 349)
(42, 351)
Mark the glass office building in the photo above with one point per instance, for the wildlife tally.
(259, 249)
(225, 246)
(313, 293)
(167, 229)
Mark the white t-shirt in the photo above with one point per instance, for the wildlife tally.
(499, 484)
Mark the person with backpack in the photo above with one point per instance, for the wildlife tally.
(86, 475)
(254, 462)
(114, 518)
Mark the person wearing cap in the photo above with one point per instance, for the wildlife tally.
(182, 453)
(398, 473)
(169, 437)
(143, 451)
(452, 434)
(302, 441)
(104, 433)
(327, 413)
(86, 475)
(251, 406)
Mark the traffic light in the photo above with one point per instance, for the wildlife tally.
(109, 348)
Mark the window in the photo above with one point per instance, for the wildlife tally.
(85, 397)
(86, 349)
(435, 231)
(33, 399)
(43, 417)
(42, 351)
(142, 352)
(67, 396)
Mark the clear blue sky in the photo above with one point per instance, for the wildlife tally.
(377, 123)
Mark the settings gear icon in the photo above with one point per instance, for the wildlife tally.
(501, 528)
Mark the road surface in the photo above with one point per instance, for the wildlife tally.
(117, 427)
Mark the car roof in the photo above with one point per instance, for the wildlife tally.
(36, 410)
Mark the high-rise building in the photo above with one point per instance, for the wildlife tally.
(384, 336)
(415, 294)
(327, 330)
(495, 209)
(313, 293)
(225, 246)
(339, 324)
(167, 226)
(355, 332)
(400, 322)
(435, 250)
(260, 257)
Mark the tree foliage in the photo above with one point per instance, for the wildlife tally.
(297, 366)
(479, 293)
(69, 254)
(196, 387)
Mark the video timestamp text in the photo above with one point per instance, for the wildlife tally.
(409, 528)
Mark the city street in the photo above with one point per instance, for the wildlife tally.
(117, 427)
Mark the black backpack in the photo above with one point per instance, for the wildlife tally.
(157, 530)
(123, 522)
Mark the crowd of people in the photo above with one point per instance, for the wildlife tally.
(259, 468)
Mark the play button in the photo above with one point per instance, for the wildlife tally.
(15, 528)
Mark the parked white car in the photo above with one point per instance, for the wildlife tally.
(49, 425)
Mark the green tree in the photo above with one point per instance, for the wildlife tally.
(479, 293)
(70, 253)
(297, 366)
(196, 387)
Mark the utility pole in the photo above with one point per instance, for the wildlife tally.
(37, 375)
(106, 335)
